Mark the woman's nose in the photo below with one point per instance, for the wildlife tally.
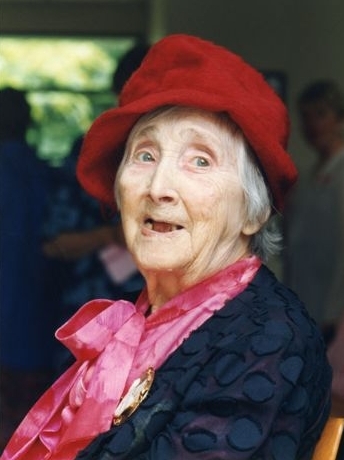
(163, 183)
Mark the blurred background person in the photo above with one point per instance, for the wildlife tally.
(27, 322)
(314, 263)
(129, 62)
(86, 248)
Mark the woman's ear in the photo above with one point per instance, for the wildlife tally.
(250, 228)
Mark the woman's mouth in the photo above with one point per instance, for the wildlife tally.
(160, 226)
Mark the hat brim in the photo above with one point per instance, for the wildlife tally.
(104, 144)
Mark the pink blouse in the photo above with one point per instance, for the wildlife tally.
(114, 344)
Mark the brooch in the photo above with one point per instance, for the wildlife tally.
(134, 397)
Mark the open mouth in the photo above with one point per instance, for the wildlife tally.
(162, 227)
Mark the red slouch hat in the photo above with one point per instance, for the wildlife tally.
(184, 70)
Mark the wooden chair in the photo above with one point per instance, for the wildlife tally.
(328, 444)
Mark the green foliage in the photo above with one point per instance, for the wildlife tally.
(67, 83)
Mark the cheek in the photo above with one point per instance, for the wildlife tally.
(219, 197)
(203, 203)
(232, 210)
(126, 184)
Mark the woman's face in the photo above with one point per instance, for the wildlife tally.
(181, 200)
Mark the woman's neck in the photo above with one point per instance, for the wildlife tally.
(162, 287)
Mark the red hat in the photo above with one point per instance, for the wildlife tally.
(187, 71)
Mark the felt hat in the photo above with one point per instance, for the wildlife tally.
(188, 71)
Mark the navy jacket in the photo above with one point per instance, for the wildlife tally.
(252, 382)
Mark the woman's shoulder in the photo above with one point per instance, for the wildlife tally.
(267, 318)
(266, 299)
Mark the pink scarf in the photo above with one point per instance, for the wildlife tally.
(114, 344)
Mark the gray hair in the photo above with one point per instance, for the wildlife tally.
(257, 197)
(267, 240)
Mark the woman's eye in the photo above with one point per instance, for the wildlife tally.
(201, 162)
(145, 156)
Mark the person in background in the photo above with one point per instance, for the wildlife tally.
(314, 256)
(26, 323)
(87, 253)
(75, 232)
(217, 359)
(127, 65)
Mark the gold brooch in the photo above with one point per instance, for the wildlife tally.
(134, 397)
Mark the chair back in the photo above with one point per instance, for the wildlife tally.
(328, 444)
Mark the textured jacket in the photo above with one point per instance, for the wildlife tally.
(252, 382)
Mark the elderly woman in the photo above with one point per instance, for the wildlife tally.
(217, 360)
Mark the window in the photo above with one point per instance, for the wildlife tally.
(68, 83)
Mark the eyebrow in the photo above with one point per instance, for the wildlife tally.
(198, 136)
(144, 131)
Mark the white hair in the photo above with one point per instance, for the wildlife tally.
(258, 199)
